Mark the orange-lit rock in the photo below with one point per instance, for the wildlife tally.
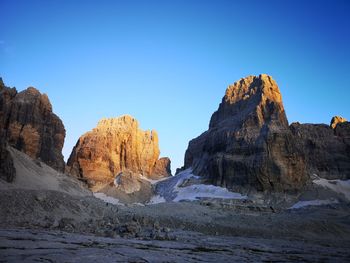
(248, 142)
(29, 125)
(337, 119)
(162, 168)
(114, 146)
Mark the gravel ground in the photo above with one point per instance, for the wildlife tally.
(46, 216)
(56, 246)
(51, 225)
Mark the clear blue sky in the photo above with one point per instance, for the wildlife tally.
(168, 63)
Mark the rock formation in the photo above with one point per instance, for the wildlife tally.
(129, 187)
(161, 169)
(7, 169)
(249, 142)
(326, 148)
(29, 125)
(335, 120)
(116, 145)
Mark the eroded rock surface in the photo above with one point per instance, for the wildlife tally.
(40, 245)
(326, 148)
(248, 142)
(7, 169)
(162, 168)
(29, 125)
(128, 187)
(116, 145)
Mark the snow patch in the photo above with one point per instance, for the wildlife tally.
(194, 192)
(185, 175)
(152, 181)
(157, 199)
(338, 186)
(301, 204)
(107, 199)
(171, 189)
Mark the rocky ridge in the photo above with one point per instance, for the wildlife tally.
(249, 142)
(114, 146)
(326, 149)
(28, 124)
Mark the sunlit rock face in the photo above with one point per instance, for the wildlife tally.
(337, 119)
(326, 148)
(29, 125)
(249, 142)
(114, 146)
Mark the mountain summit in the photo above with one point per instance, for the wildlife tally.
(29, 125)
(249, 142)
(114, 146)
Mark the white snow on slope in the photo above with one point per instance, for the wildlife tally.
(171, 189)
(194, 192)
(153, 181)
(107, 199)
(338, 186)
(301, 204)
(157, 199)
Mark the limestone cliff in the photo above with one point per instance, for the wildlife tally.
(326, 148)
(114, 146)
(29, 125)
(249, 142)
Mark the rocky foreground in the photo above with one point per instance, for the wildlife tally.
(68, 224)
(56, 227)
(56, 246)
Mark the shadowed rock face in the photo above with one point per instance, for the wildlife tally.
(248, 142)
(116, 145)
(7, 169)
(29, 125)
(326, 149)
